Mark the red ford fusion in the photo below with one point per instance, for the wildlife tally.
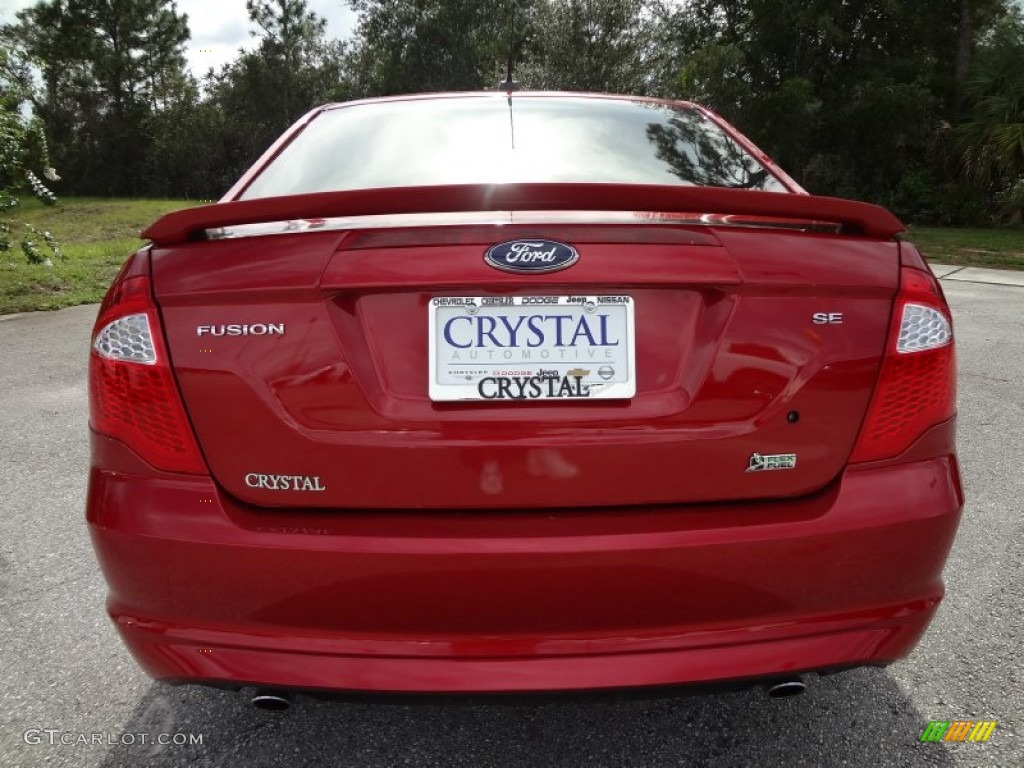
(519, 392)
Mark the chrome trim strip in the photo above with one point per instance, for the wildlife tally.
(503, 218)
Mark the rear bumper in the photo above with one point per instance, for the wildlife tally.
(204, 590)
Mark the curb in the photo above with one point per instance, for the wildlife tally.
(978, 275)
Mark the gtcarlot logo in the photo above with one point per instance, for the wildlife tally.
(56, 737)
(959, 730)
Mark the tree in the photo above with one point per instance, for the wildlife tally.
(593, 45)
(106, 66)
(991, 138)
(849, 97)
(22, 143)
(254, 98)
(409, 46)
(297, 65)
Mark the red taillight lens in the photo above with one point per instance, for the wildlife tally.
(917, 384)
(132, 393)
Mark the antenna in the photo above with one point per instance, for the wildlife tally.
(510, 85)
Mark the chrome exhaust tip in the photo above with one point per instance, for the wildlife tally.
(271, 701)
(787, 688)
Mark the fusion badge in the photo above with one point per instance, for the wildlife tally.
(256, 329)
(536, 255)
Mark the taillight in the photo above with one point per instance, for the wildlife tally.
(917, 384)
(132, 393)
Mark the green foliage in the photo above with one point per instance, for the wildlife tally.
(22, 142)
(97, 236)
(835, 92)
(924, 195)
(409, 46)
(126, 117)
(714, 75)
(251, 101)
(592, 45)
(990, 141)
(30, 244)
(1002, 248)
(106, 68)
(914, 104)
(851, 98)
(406, 46)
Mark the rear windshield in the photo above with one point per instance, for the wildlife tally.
(487, 140)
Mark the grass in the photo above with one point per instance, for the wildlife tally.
(98, 234)
(999, 248)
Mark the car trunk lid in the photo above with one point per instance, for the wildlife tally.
(303, 361)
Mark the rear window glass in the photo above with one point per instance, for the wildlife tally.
(484, 140)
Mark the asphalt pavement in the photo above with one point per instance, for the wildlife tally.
(64, 675)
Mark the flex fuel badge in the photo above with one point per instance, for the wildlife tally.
(771, 462)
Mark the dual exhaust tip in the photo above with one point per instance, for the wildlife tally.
(269, 700)
(786, 688)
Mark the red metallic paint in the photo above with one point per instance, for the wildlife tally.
(623, 544)
(343, 396)
(401, 601)
(188, 224)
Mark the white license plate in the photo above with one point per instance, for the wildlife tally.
(523, 348)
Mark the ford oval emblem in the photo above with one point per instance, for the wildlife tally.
(531, 255)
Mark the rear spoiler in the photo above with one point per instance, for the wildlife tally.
(852, 217)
